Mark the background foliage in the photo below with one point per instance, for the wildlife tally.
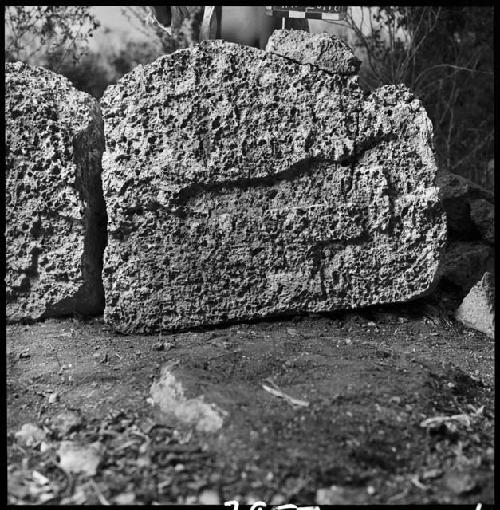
(443, 54)
(47, 35)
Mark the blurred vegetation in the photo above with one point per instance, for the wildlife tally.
(443, 54)
(174, 27)
(47, 35)
(96, 70)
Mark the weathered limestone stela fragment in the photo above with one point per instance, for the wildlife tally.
(242, 184)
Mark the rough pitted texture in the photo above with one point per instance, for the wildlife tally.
(478, 308)
(321, 50)
(55, 225)
(240, 184)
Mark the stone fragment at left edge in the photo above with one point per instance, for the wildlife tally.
(55, 211)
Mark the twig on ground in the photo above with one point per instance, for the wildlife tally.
(278, 393)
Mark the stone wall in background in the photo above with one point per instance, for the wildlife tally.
(55, 212)
(241, 184)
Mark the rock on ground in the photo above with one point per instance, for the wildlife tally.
(55, 213)
(240, 184)
(173, 408)
(478, 308)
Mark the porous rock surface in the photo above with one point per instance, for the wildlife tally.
(477, 310)
(55, 212)
(321, 50)
(240, 184)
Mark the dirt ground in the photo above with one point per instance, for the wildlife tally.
(315, 410)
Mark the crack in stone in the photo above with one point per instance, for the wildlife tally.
(181, 197)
